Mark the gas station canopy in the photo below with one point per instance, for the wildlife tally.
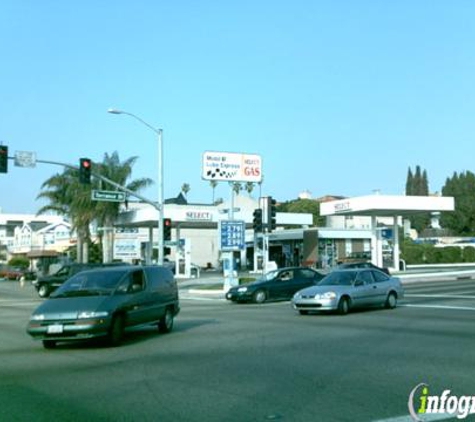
(386, 206)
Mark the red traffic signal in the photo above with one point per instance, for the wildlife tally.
(85, 171)
(167, 229)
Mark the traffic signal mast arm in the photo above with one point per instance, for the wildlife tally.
(105, 179)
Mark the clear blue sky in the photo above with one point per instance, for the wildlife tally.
(338, 97)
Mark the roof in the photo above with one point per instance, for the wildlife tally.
(387, 205)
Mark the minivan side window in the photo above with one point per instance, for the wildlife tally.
(138, 282)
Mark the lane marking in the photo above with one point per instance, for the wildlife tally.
(458, 308)
(427, 417)
(437, 295)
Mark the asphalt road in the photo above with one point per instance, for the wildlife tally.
(229, 362)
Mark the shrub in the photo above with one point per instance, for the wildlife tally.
(19, 261)
(451, 254)
(469, 254)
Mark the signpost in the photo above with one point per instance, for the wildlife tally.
(107, 195)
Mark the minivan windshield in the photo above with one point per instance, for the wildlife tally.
(90, 283)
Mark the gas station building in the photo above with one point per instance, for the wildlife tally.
(195, 239)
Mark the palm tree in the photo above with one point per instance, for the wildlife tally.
(249, 187)
(237, 187)
(69, 198)
(107, 212)
(185, 188)
(213, 184)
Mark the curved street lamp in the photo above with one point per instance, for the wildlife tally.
(159, 206)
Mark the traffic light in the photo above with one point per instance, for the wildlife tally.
(167, 229)
(257, 221)
(3, 159)
(271, 214)
(85, 171)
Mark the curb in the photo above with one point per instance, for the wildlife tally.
(206, 292)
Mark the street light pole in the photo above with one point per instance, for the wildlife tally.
(159, 206)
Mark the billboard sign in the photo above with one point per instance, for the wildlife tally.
(232, 167)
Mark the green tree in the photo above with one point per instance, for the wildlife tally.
(417, 184)
(237, 187)
(249, 187)
(461, 187)
(68, 197)
(105, 213)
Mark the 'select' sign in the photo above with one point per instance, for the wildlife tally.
(232, 167)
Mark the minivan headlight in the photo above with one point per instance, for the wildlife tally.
(37, 317)
(91, 314)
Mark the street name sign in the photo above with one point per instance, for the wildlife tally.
(107, 195)
(25, 159)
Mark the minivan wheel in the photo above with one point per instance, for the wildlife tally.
(391, 301)
(116, 332)
(165, 325)
(43, 290)
(260, 296)
(49, 344)
(343, 306)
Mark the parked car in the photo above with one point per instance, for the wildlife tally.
(48, 284)
(277, 284)
(16, 273)
(362, 264)
(343, 290)
(104, 302)
(356, 257)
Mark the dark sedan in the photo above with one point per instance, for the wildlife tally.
(279, 284)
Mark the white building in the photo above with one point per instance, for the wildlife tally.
(34, 236)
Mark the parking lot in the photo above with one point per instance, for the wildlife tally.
(229, 362)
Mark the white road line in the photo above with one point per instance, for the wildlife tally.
(205, 299)
(428, 417)
(457, 308)
(437, 295)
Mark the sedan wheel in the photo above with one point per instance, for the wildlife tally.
(391, 301)
(343, 306)
(165, 325)
(260, 296)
